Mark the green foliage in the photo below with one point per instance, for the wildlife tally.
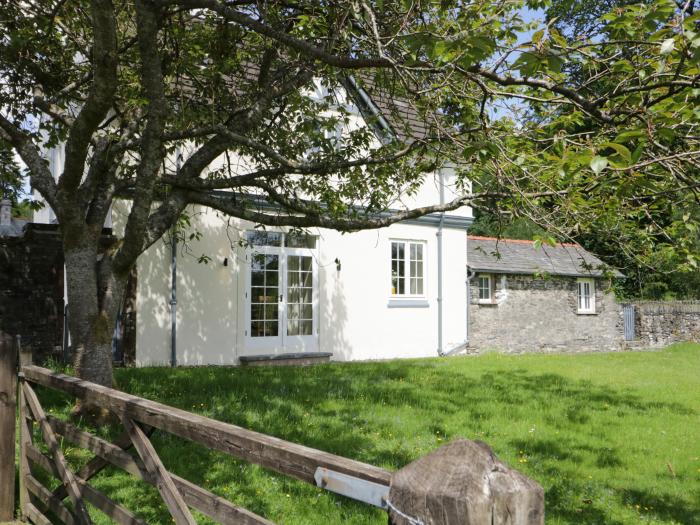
(610, 437)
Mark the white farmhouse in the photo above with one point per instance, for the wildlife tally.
(279, 295)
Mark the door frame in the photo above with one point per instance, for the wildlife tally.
(281, 343)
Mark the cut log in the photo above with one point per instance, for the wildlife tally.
(464, 483)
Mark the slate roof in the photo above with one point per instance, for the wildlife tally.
(401, 114)
(488, 254)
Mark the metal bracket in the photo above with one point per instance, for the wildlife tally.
(358, 489)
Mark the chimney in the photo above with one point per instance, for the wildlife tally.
(5, 212)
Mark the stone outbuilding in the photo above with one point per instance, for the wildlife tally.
(526, 298)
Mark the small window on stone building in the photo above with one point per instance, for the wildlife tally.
(586, 296)
(485, 289)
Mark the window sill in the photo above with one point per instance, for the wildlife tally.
(586, 313)
(487, 303)
(408, 303)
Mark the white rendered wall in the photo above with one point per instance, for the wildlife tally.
(356, 321)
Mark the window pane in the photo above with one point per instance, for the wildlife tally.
(257, 329)
(271, 312)
(271, 278)
(257, 278)
(271, 329)
(257, 312)
(263, 238)
(307, 311)
(292, 327)
(300, 240)
(292, 263)
(419, 269)
(293, 311)
(305, 295)
(257, 294)
(272, 262)
(419, 287)
(306, 327)
(306, 279)
(257, 262)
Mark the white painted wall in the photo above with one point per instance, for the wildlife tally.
(356, 321)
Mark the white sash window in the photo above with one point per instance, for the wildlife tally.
(408, 268)
(586, 296)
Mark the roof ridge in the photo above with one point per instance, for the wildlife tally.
(517, 241)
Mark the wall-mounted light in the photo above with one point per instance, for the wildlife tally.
(337, 264)
(225, 261)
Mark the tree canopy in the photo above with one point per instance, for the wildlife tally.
(595, 132)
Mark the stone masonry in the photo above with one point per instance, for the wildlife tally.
(539, 314)
(31, 289)
(660, 323)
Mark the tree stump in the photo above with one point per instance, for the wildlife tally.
(464, 483)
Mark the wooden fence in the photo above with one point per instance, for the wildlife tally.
(444, 487)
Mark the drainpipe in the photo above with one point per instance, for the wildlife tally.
(173, 282)
(439, 255)
(470, 276)
(441, 350)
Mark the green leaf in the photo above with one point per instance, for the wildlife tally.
(621, 150)
(637, 153)
(537, 36)
(598, 164)
(626, 136)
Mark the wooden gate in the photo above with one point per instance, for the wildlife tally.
(140, 417)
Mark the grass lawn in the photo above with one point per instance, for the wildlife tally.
(612, 438)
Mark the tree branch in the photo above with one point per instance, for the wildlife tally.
(40, 175)
(152, 151)
(101, 94)
(304, 47)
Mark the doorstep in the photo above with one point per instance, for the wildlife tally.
(292, 359)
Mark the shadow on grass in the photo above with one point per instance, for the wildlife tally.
(342, 400)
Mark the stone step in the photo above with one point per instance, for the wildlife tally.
(291, 359)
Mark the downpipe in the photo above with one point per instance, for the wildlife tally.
(441, 226)
(173, 281)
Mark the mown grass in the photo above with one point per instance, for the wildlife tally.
(613, 438)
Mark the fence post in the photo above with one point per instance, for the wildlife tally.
(8, 407)
(463, 483)
(25, 434)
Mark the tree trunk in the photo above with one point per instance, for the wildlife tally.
(94, 295)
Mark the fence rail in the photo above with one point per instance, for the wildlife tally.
(140, 417)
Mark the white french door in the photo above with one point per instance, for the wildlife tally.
(281, 299)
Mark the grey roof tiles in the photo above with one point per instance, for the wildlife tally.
(488, 254)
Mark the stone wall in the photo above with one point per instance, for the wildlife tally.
(539, 314)
(31, 289)
(660, 323)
